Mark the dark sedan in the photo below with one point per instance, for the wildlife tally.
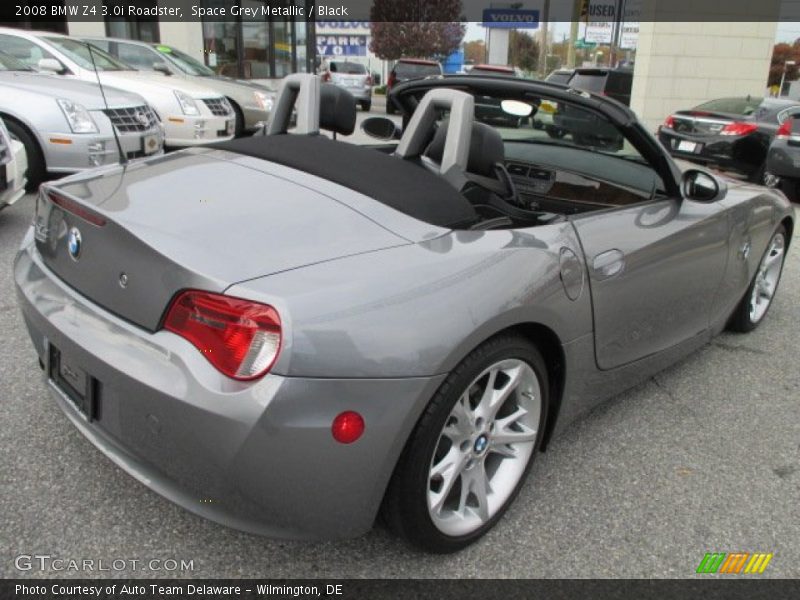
(729, 133)
(783, 159)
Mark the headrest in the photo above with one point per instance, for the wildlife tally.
(337, 109)
(485, 148)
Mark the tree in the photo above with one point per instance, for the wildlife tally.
(410, 28)
(475, 52)
(523, 51)
(780, 54)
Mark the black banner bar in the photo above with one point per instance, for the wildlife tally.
(46, 11)
(710, 588)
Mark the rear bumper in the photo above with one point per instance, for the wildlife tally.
(255, 456)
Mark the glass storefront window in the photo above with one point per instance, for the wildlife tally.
(220, 47)
(255, 43)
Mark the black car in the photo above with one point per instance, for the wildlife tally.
(728, 133)
(409, 68)
(614, 83)
(783, 158)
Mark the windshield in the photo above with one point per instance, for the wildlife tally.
(348, 68)
(9, 63)
(79, 52)
(184, 62)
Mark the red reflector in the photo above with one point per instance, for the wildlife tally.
(347, 427)
(76, 209)
(785, 130)
(738, 128)
(240, 338)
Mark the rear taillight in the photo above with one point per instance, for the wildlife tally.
(326, 76)
(369, 80)
(239, 337)
(785, 130)
(391, 81)
(76, 208)
(669, 122)
(738, 128)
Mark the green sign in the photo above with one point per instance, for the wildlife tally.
(582, 44)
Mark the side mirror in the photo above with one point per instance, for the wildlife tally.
(162, 67)
(381, 128)
(699, 185)
(50, 65)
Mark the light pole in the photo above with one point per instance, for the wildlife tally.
(786, 65)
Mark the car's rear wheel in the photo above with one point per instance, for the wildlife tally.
(756, 302)
(468, 456)
(36, 165)
(366, 106)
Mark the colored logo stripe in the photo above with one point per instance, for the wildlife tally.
(734, 562)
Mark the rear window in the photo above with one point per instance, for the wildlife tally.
(497, 72)
(348, 68)
(591, 82)
(415, 70)
(735, 106)
(619, 83)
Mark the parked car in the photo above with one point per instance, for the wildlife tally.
(560, 76)
(252, 103)
(351, 76)
(613, 83)
(402, 330)
(191, 114)
(783, 158)
(728, 133)
(409, 68)
(66, 125)
(13, 164)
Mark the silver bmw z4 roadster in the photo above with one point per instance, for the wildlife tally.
(290, 334)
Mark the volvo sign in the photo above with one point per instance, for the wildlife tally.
(509, 18)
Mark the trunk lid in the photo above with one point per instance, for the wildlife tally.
(188, 220)
(702, 122)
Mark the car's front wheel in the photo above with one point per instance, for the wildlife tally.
(759, 296)
(468, 456)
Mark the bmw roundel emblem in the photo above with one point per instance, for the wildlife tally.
(74, 243)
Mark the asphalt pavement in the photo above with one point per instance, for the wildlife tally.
(703, 457)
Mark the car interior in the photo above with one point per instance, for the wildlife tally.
(450, 169)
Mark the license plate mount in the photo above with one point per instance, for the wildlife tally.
(76, 384)
(150, 144)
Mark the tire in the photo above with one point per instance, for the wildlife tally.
(436, 514)
(390, 109)
(366, 106)
(755, 304)
(36, 165)
(758, 176)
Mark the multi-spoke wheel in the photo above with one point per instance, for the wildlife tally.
(761, 292)
(472, 448)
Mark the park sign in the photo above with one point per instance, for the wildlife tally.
(510, 18)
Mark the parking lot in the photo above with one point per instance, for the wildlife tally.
(704, 457)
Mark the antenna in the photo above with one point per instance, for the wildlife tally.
(123, 160)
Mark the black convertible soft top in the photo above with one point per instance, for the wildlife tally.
(390, 180)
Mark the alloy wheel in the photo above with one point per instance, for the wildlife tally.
(767, 277)
(484, 447)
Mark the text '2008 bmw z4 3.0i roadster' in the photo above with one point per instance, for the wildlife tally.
(290, 334)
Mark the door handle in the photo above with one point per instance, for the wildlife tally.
(608, 264)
